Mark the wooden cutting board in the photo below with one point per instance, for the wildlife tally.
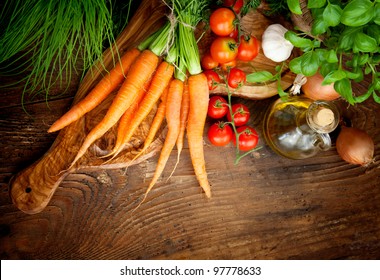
(32, 188)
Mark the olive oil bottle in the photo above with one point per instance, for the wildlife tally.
(297, 127)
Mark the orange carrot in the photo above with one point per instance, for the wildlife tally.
(172, 115)
(138, 75)
(159, 82)
(106, 85)
(156, 124)
(185, 106)
(199, 97)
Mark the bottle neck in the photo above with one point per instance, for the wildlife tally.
(322, 116)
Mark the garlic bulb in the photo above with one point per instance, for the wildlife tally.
(274, 44)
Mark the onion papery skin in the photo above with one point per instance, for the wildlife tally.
(314, 89)
(355, 146)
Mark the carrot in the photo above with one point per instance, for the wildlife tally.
(159, 82)
(139, 74)
(185, 106)
(199, 97)
(172, 115)
(106, 85)
(156, 124)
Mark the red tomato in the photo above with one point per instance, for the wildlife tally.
(234, 34)
(220, 134)
(222, 21)
(235, 4)
(236, 78)
(212, 78)
(228, 65)
(241, 114)
(248, 48)
(208, 62)
(223, 49)
(248, 138)
(217, 107)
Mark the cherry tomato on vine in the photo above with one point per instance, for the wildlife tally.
(217, 107)
(234, 34)
(207, 62)
(228, 65)
(222, 21)
(235, 4)
(248, 48)
(220, 134)
(241, 114)
(212, 78)
(236, 78)
(248, 138)
(223, 49)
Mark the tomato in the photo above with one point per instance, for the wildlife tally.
(223, 49)
(208, 62)
(228, 65)
(248, 138)
(212, 78)
(236, 78)
(241, 114)
(217, 107)
(235, 4)
(234, 34)
(248, 48)
(220, 134)
(222, 21)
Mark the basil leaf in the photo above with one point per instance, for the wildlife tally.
(319, 27)
(334, 76)
(357, 13)
(326, 68)
(344, 88)
(374, 31)
(294, 6)
(332, 14)
(364, 97)
(364, 43)
(297, 41)
(315, 3)
(376, 17)
(295, 65)
(347, 38)
(259, 77)
(309, 63)
(331, 56)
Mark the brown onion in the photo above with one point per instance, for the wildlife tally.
(355, 146)
(314, 89)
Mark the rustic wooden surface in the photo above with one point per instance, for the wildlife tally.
(266, 207)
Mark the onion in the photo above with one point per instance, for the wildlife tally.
(314, 89)
(355, 146)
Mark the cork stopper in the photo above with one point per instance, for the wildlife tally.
(324, 117)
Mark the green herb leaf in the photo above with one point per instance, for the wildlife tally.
(364, 97)
(316, 3)
(357, 13)
(294, 6)
(347, 38)
(331, 56)
(374, 31)
(376, 17)
(259, 77)
(326, 68)
(319, 27)
(298, 41)
(309, 63)
(344, 88)
(376, 97)
(334, 76)
(295, 65)
(332, 14)
(364, 43)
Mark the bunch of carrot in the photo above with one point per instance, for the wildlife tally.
(164, 69)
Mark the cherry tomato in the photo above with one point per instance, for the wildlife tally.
(241, 114)
(212, 79)
(248, 138)
(220, 134)
(228, 65)
(248, 48)
(236, 78)
(234, 34)
(208, 62)
(217, 107)
(222, 21)
(223, 49)
(235, 4)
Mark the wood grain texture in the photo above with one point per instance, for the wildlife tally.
(266, 207)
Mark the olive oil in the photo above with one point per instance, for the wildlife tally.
(297, 127)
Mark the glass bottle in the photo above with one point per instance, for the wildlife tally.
(297, 127)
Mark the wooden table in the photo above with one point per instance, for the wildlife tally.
(266, 207)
